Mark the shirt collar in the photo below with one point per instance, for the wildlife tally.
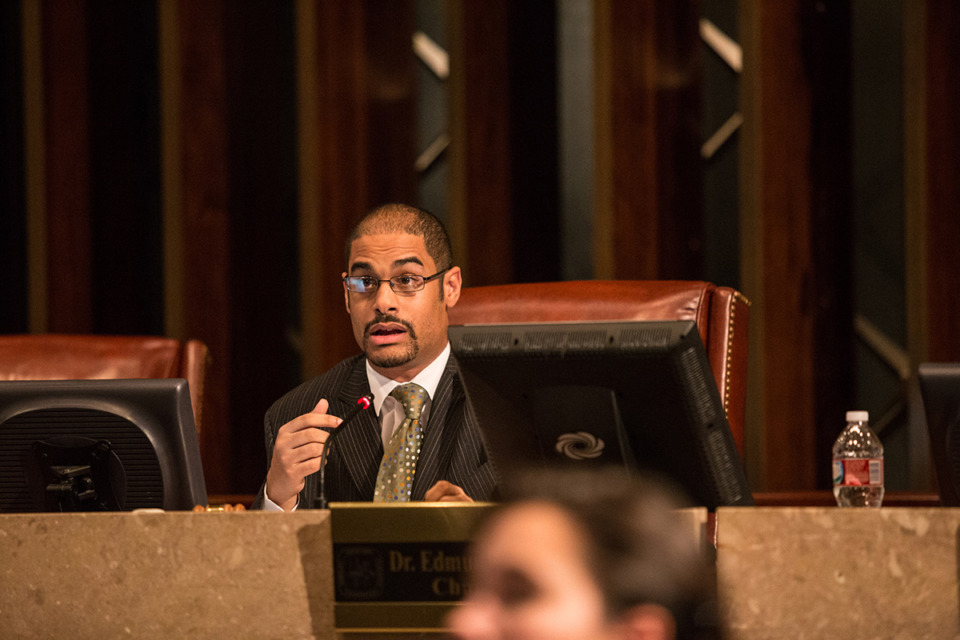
(429, 379)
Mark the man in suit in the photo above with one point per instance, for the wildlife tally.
(400, 282)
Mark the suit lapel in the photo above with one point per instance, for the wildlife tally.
(360, 441)
(440, 432)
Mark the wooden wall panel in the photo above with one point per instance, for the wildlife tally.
(263, 265)
(534, 141)
(504, 196)
(776, 244)
(795, 220)
(13, 197)
(60, 227)
(126, 244)
(827, 54)
(390, 93)
(931, 166)
(196, 210)
(942, 179)
(481, 211)
(648, 185)
(94, 235)
(357, 125)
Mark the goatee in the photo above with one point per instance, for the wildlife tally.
(390, 360)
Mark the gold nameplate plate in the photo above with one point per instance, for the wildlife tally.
(399, 567)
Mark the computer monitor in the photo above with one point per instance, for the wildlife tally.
(636, 394)
(98, 445)
(940, 389)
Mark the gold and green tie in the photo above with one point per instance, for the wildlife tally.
(395, 479)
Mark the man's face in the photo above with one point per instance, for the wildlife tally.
(399, 333)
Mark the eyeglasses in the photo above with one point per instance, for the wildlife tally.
(407, 283)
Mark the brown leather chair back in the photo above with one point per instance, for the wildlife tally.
(90, 357)
(721, 314)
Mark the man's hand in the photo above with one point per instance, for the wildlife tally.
(445, 491)
(296, 454)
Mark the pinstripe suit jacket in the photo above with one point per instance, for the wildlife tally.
(451, 450)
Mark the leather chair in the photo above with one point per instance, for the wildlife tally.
(721, 314)
(90, 357)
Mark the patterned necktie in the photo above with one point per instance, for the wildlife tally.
(395, 480)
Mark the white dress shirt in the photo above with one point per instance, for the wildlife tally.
(389, 408)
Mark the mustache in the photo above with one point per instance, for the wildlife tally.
(383, 318)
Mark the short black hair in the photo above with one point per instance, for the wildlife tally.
(394, 217)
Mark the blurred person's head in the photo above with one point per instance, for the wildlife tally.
(587, 555)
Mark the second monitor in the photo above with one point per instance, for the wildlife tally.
(98, 445)
(638, 394)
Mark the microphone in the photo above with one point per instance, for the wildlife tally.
(363, 402)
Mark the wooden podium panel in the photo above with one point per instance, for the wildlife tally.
(166, 575)
(826, 572)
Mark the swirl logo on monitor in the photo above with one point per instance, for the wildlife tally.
(580, 445)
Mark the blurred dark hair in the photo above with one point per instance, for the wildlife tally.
(637, 547)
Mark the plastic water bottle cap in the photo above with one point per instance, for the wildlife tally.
(858, 416)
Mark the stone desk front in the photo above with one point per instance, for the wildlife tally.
(839, 573)
(165, 575)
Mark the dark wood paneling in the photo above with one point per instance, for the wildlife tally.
(942, 188)
(534, 165)
(13, 224)
(391, 101)
(125, 217)
(777, 135)
(827, 54)
(103, 228)
(261, 120)
(481, 216)
(205, 226)
(504, 192)
(67, 151)
(649, 219)
(360, 103)
(797, 227)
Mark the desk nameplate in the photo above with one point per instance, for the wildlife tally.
(400, 566)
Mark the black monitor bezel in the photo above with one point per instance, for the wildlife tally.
(674, 344)
(940, 391)
(159, 407)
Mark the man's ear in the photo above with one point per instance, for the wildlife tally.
(648, 622)
(452, 282)
(346, 294)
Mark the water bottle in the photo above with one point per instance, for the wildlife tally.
(858, 464)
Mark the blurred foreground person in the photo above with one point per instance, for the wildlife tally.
(591, 555)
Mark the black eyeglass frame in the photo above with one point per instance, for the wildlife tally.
(351, 282)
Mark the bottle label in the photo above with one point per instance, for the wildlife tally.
(858, 472)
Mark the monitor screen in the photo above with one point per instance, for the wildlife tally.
(98, 445)
(940, 389)
(636, 394)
